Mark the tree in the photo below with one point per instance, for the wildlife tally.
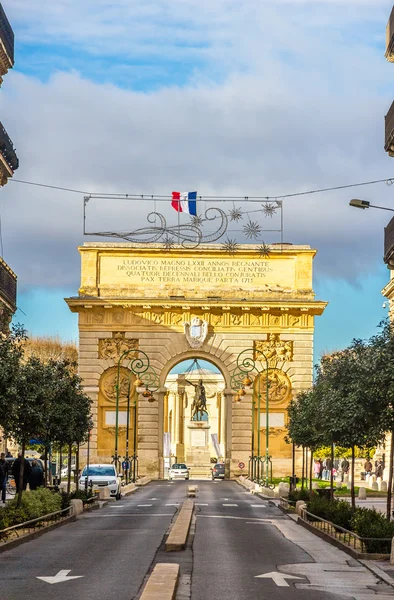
(11, 353)
(352, 413)
(48, 348)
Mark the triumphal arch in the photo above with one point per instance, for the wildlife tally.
(203, 304)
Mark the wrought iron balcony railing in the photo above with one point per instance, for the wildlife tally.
(7, 285)
(389, 54)
(7, 149)
(389, 131)
(6, 34)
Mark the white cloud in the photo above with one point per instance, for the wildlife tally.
(299, 104)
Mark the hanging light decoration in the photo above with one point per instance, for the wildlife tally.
(247, 382)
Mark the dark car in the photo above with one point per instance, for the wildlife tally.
(218, 471)
(10, 462)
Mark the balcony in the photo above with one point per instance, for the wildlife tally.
(7, 286)
(6, 44)
(389, 131)
(389, 245)
(389, 54)
(8, 159)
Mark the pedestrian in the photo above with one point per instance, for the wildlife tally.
(36, 477)
(3, 476)
(16, 469)
(328, 468)
(321, 469)
(344, 468)
(8, 455)
(368, 467)
(316, 469)
(379, 469)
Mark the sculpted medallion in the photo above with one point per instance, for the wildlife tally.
(279, 386)
(108, 384)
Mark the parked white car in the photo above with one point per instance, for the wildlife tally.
(100, 476)
(178, 471)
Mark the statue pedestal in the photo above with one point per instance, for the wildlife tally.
(198, 452)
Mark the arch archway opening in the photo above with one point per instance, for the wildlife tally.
(195, 417)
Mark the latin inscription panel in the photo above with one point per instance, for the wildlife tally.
(181, 274)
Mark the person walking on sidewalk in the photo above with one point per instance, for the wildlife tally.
(36, 478)
(16, 469)
(3, 476)
(345, 465)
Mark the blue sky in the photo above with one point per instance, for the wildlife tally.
(257, 97)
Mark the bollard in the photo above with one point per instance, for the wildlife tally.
(383, 486)
(315, 485)
(372, 479)
(76, 507)
(338, 485)
(104, 493)
(300, 504)
(284, 489)
(362, 493)
(375, 486)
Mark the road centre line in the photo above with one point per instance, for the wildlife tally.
(121, 516)
(199, 504)
(229, 504)
(257, 505)
(251, 519)
(138, 505)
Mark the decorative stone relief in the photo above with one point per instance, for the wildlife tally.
(279, 386)
(236, 319)
(293, 320)
(274, 320)
(274, 350)
(98, 316)
(118, 316)
(175, 318)
(114, 347)
(108, 384)
(196, 332)
(275, 431)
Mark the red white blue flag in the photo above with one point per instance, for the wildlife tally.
(185, 202)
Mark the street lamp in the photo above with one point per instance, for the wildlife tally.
(146, 383)
(356, 203)
(241, 379)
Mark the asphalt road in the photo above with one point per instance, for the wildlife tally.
(234, 540)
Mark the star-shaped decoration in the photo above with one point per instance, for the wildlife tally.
(230, 246)
(235, 214)
(263, 250)
(269, 209)
(168, 243)
(196, 220)
(252, 230)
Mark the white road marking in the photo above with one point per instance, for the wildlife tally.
(257, 505)
(229, 504)
(152, 498)
(60, 577)
(278, 578)
(175, 504)
(250, 519)
(144, 505)
(123, 515)
(199, 504)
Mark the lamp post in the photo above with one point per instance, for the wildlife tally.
(146, 383)
(241, 378)
(356, 203)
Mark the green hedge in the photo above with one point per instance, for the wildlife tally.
(365, 522)
(34, 504)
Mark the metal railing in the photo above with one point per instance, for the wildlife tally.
(7, 285)
(33, 524)
(351, 539)
(7, 34)
(286, 503)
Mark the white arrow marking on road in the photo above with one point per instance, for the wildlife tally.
(61, 576)
(278, 578)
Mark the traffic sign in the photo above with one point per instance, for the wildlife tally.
(241, 465)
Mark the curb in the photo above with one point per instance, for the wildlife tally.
(378, 572)
(35, 534)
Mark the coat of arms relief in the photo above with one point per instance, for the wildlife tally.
(274, 353)
(196, 332)
(114, 347)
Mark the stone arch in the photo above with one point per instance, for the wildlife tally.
(184, 356)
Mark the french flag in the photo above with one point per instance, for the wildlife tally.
(185, 202)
